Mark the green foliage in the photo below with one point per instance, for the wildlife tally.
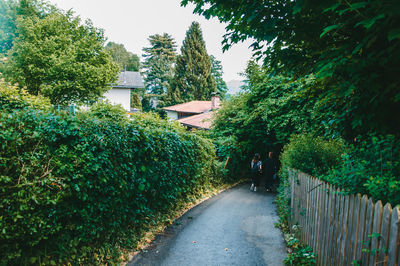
(105, 111)
(351, 47)
(158, 63)
(11, 10)
(192, 78)
(58, 57)
(217, 72)
(12, 98)
(264, 117)
(312, 155)
(135, 101)
(126, 60)
(370, 166)
(299, 254)
(80, 189)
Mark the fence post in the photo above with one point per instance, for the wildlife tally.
(394, 239)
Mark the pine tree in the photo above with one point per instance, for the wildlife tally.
(158, 63)
(192, 77)
(217, 72)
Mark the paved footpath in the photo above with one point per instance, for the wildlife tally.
(234, 228)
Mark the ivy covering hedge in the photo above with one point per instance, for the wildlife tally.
(81, 188)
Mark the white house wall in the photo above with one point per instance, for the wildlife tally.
(172, 115)
(119, 96)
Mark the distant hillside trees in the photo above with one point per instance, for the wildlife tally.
(159, 59)
(53, 54)
(126, 60)
(192, 77)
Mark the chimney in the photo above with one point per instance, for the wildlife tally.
(215, 100)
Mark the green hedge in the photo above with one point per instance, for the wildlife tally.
(81, 189)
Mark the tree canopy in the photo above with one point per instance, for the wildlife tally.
(352, 48)
(159, 59)
(192, 78)
(126, 60)
(57, 56)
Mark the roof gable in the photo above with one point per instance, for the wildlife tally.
(198, 121)
(196, 107)
(129, 80)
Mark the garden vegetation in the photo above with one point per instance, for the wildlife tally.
(82, 189)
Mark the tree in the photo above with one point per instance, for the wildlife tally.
(58, 57)
(126, 60)
(11, 10)
(159, 59)
(192, 78)
(352, 47)
(217, 72)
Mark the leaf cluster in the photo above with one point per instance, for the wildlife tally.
(55, 55)
(352, 48)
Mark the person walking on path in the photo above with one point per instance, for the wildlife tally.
(269, 170)
(256, 166)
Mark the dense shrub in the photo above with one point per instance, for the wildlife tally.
(312, 155)
(370, 166)
(81, 188)
(14, 98)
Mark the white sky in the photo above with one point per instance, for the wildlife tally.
(131, 22)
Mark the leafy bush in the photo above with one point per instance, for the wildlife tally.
(312, 155)
(82, 188)
(299, 254)
(14, 98)
(370, 166)
(367, 166)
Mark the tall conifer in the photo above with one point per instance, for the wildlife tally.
(192, 78)
(158, 63)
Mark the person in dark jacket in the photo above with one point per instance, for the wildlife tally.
(256, 166)
(270, 170)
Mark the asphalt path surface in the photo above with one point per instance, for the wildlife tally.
(235, 227)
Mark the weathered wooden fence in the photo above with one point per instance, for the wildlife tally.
(344, 229)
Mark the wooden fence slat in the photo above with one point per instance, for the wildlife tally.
(336, 227)
(361, 228)
(332, 225)
(321, 211)
(317, 216)
(325, 225)
(349, 232)
(314, 204)
(307, 225)
(344, 229)
(356, 227)
(368, 230)
(385, 230)
(394, 239)
(339, 229)
(292, 198)
(309, 213)
(376, 230)
(303, 206)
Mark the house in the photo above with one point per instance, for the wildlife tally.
(194, 114)
(121, 92)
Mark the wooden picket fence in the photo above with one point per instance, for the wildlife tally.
(343, 229)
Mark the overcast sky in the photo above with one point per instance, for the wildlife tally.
(131, 22)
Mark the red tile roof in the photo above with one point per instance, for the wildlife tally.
(198, 121)
(196, 107)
